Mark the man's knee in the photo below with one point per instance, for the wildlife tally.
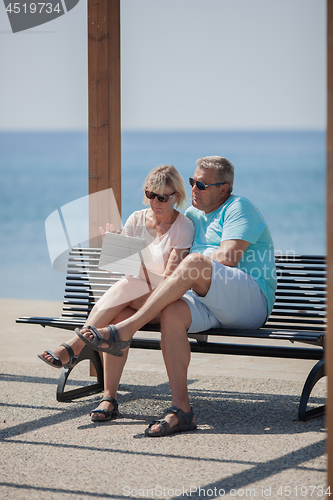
(195, 259)
(175, 317)
(196, 266)
(170, 314)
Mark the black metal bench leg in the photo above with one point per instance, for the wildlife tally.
(87, 390)
(317, 372)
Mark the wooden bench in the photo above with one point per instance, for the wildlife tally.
(298, 316)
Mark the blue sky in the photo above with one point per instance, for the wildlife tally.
(186, 64)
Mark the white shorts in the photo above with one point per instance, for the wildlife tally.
(234, 300)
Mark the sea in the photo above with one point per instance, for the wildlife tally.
(281, 172)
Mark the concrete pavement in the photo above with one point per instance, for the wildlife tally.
(247, 443)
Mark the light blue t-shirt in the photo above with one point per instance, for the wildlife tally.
(239, 219)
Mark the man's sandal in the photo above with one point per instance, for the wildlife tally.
(107, 413)
(56, 363)
(184, 423)
(115, 344)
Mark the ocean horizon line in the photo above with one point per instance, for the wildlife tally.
(172, 131)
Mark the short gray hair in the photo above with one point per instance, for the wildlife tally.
(224, 169)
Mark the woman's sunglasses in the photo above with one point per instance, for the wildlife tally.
(163, 198)
(201, 185)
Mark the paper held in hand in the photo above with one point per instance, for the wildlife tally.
(122, 254)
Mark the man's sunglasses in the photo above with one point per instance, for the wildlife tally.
(201, 185)
(163, 198)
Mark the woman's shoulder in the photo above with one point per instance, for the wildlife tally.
(183, 226)
(182, 232)
(140, 212)
(184, 220)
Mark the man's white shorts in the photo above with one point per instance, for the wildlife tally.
(234, 300)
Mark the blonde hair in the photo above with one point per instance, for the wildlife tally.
(165, 175)
(224, 169)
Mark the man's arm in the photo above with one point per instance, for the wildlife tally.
(230, 252)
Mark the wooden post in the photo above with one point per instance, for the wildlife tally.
(104, 129)
(329, 229)
(104, 110)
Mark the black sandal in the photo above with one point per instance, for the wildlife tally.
(115, 344)
(56, 363)
(184, 423)
(107, 413)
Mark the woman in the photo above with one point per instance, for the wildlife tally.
(169, 235)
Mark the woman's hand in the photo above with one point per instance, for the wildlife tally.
(109, 229)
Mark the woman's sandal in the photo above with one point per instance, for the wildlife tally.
(115, 344)
(184, 423)
(56, 363)
(107, 413)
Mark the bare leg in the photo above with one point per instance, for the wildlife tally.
(112, 365)
(175, 321)
(194, 272)
(121, 295)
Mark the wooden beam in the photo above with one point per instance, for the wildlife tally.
(329, 229)
(104, 109)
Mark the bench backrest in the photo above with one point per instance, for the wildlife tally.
(300, 296)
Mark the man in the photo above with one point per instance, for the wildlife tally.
(228, 280)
